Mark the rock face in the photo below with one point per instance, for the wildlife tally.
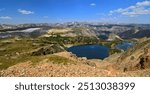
(144, 62)
(113, 37)
(54, 48)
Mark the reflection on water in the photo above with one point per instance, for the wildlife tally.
(90, 51)
(124, 46)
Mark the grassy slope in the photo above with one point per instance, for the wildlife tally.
(13, 51)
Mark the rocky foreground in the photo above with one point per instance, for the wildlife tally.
(133, 63)
(78, 67)
(56, 70)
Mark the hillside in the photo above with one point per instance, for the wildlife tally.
(114, 31)
(64, 64)
(46, 54)
(135, 33)
(134, 59)
(137, 58)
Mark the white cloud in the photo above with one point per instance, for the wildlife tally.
(5, 17)
(26, 12)
(144, 3)
(92, 4)
(140, 8)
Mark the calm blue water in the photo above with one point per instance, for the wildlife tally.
(124, 46)
(90, 51)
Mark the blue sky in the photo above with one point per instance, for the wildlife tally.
(52, 11)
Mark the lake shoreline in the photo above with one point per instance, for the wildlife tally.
(90, 51)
